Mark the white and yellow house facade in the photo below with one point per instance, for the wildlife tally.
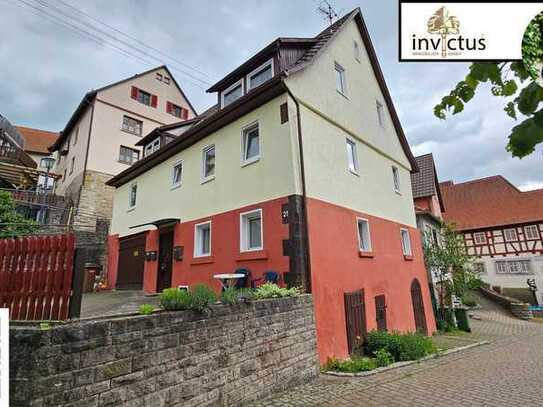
(302, 169)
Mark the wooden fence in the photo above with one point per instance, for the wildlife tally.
(36, 275)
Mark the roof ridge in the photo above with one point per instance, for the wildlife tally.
(35, 128)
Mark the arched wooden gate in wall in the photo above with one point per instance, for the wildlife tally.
(418, 307)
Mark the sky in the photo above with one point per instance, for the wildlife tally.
(47, 67)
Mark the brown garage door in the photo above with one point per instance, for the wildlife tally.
(131, 262)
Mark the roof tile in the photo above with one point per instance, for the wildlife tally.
(490, 202)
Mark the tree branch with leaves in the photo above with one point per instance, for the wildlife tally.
(447, 256)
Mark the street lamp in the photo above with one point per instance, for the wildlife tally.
(48, 163)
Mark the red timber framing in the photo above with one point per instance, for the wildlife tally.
(36, 276)
(496, 245)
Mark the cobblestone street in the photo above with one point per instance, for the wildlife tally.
(506, 372)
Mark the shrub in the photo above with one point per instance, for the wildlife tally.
(270, 290)
(230, 296)
(202, 297)
(356, 364)
(172, 299)
(469, 300)
(383, 358)
(402, 347)
(415, 346)
(146, 309)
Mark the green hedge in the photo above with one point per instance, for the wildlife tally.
(402, 347)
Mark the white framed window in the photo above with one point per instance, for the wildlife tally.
(513, 267)
(177, 174)
(341, 84)
(364, 237)
(396, 179)
(260, 75)
(202, 239)
(132, 125)
(159, 76)
(531, 232)
(128, 155)
(352, 156)
(510, 235)
(208, 163)
(251, 231)
(250, 143)
(380, 113)
(356, 49)
(76, 135)
(132, 195)
(152, 146)
(72, 165)
(479, 268)
(232, 93)
(166, 80)
(479, 237)
(406, 242)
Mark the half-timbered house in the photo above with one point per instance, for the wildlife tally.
(502, 228)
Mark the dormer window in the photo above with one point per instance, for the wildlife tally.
(152, 146)
(260, 75)
(232, 93)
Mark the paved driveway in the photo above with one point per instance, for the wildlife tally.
(114, 302)
(508, 372)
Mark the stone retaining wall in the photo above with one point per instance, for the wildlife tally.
(518, 309)
(231, 356)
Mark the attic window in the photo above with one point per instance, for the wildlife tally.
(356, 51)
(260, 75)
(232, 93)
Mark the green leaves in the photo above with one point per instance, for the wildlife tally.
(529, 98)
(13, 224)
(525, 136)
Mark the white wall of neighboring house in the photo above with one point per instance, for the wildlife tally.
(330, 117)
(77, 150)
(113, 103)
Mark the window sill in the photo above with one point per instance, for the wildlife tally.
(133, 133)
(365, 254)
(131, 209)
(398, 192)
(250, 161)
(253, 255)
(124, 162)
(203, 260)
(206, 180)
(354, 172)
(408, 257)
(174, 187)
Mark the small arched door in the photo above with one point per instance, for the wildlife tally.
(418, 307)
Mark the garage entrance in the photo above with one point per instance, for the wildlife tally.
(131, 262)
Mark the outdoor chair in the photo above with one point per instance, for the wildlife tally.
(243, 282)
(268, 277)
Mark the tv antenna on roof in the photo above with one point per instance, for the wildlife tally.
(327, 11)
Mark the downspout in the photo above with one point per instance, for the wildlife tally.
(305, 225)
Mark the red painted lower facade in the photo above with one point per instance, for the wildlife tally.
(225, 249)
(337, 268)
(336, 264)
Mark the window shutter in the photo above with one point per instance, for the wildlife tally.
(168, 107)
(134, 93)
(184, 113)
(154, 100)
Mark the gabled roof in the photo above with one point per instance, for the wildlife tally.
(490, 202)
(221, 117)
(324, 38)
(88, 98)
(425, 183)
(37, 141)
